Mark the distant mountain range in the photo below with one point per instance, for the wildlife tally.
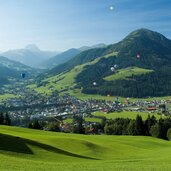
(10, 70)
(67, 55)
(60, 58)
(100, 45)
(142, 67)
(31, 55)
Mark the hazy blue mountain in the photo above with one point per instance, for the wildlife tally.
(31, 55)
(60, 58)
(100, 45)
(10, 69)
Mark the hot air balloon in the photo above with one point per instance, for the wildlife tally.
(23, 75)
(94, 83)
(117, 98)
(115, 66)
(112, 69)
(138, 56)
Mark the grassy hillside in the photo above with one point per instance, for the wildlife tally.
(65, 81)
(126, 73)
(92, 119)
(31, 150)
(6, 96)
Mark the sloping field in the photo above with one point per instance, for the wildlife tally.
(126, 73)
(127, 114)
(65, 81)
(31, 150)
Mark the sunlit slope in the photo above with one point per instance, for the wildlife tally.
(65, 81)
(127, 114)
(26, 149)
(127, 72)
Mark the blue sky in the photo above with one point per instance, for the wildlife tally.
(63, 24)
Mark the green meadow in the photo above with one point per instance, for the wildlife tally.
(24, 149)
(6, 96)
(126, 73)
(87, 119)
(96, 116)
(127, 114)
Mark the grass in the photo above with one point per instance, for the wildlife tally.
(126, 114)
(6, 96)
(126, 73)
(93, 119)
(32, 150)
(68, 120)
(87, 119)
(111, 54)
(114, 115)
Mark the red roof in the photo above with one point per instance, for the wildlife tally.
(151, 108)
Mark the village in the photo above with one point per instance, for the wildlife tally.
(30, 105)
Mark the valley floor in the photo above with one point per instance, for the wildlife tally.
(24, 149)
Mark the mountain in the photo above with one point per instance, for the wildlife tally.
(32, 47)
(141, 62)
(31, 55)
(10, 69)
(100, 45)
(60, 58)
(67, 55)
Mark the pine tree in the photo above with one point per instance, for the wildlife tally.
(36, 125)
(1, 118)
(7, 120)
(149, 122)
(139, 126)
(156, 130)
(131, 128)
(169, 134)
(78, 125)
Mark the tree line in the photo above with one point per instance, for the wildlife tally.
(150, 127)
(120, 126)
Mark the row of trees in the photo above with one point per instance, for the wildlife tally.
(5, 119)
(120, 126)
(78, 126)
(35, 125)
(150, 127)
(50, 126)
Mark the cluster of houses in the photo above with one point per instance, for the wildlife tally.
(29, 106)
(152, 106)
